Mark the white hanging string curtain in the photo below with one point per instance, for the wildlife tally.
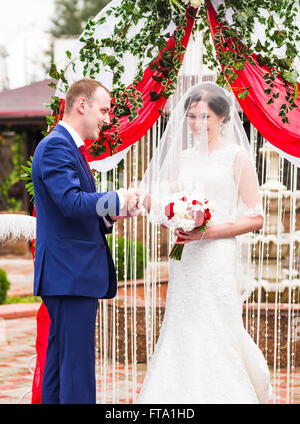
(146, 305)
(272, 312)
(266, 311)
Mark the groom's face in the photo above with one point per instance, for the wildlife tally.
(96, 114)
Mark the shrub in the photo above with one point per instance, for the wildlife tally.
(22, 299)
(4, 285)
(140, 253)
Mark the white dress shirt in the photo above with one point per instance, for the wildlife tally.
(79, 142)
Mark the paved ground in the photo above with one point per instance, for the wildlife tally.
(18, 347)
(17, 350)
(19, 272)
(17, 361)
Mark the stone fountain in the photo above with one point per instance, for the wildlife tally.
(273, 247)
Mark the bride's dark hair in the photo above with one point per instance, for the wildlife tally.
(214, 96)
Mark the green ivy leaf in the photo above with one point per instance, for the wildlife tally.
(243, 94)
(239, 65)
(261, 60)
(157, 78)
(291, 77)
(154, 96)
(291, 50)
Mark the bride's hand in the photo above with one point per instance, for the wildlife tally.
(193, 235)
(144, 199)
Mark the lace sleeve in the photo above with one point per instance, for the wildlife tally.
(252, 212)
(158, 219)
(249, 202)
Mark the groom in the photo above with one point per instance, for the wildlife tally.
(73, 263)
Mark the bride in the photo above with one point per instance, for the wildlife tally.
(204, 354)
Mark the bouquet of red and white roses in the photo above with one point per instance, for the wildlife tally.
(187, 211)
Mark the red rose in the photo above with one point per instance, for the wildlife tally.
(169, 212)
(184, 199)
(196, 202)
(207, 214)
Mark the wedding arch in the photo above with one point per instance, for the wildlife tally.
(148, 53)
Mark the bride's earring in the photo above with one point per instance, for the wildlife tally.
(221, 127)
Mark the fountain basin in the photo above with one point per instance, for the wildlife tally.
(131, 316)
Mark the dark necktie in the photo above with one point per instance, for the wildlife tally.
(84, 155)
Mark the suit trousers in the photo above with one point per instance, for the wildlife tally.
(69, 374)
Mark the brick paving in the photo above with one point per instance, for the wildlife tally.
(17, 346)
(17, 350)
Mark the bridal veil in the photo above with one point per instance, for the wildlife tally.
(205, 121)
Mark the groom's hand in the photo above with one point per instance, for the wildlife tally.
(144, 199)
(132, 205)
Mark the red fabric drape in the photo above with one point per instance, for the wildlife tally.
(129, 134)
(43, 322)
(265, 118)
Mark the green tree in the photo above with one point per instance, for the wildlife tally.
(72, 15)
(91, 8)
(71, 18)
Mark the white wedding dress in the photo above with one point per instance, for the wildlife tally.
(204, 354)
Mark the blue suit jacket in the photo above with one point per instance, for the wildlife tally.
(72, 256)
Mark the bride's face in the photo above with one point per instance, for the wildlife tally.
(199, 116)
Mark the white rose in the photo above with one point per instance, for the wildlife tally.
(185, 224)
(180, 222)
(196, 3)
(180, 207)
(189, 226)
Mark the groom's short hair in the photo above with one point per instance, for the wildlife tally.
(84, 87)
